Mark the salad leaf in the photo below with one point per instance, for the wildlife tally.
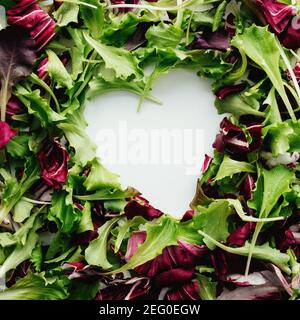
(17, 53)
(63, 213)
(21, 252)
(208, 288)
(282, 137)
(93, 17)
(66, 13)
(117, 59)
(164, 35)
(213, 220)
(263, 252)
(101, 178)
(239, 105)
(57, 71)
(230, 167)
(96, 252)
(261, 46)
(38, 106)
(74, 129)
(159, 235)
(36, 287)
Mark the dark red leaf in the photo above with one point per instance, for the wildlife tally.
(141, 207)
(6, 133)
(54, 163)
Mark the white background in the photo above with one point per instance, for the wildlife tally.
(187, 104)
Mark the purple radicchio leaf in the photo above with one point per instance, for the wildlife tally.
(189, 291)
(17, 58)
(277, 14)
(233, 139)
(14, 106)
(87, 236)
(219, 40)
(241, 234)
(291, 37)
(182, 256)
(141, 207)
(54, 163)
(226, 91)
(128, 289)
(226, 263)
(30, 16)
(136, 239)
(188, 216)
(6, 134)
(42, 72)
(166, 278)
(248, 187)
(285, 239)
(206, 163)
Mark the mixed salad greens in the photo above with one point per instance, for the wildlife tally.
(69, 230)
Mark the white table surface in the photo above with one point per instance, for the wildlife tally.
(127, 140)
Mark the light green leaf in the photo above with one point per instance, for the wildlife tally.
(101, 178)
(22, 210)
(96, 252)
(208, 288)
(213, 221)
(261, 46)
(57, 71)
(66, 13)
(38, 106)
(124, 229)
(93, 18)
(86, 222)
(238, 105)
(230, 167)
(20, 253)
(63, 214)
(271, 185)
(164, 35)
(160, 235)
(35, 287)
(74, 129)
(120, 60)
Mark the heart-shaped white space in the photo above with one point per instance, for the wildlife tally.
(159, 150)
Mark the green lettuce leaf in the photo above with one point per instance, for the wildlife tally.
(57, 71)
(66, 13)
(74, 129)
(208, 288)
(101, 178)
(230, 167)
(283, 137)
(36, 287)
(120, 60)
(261, 46)
(160, 235)
(213, 220)
(21, 252)
(93, 17)
(164, 35)
(96, 252)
